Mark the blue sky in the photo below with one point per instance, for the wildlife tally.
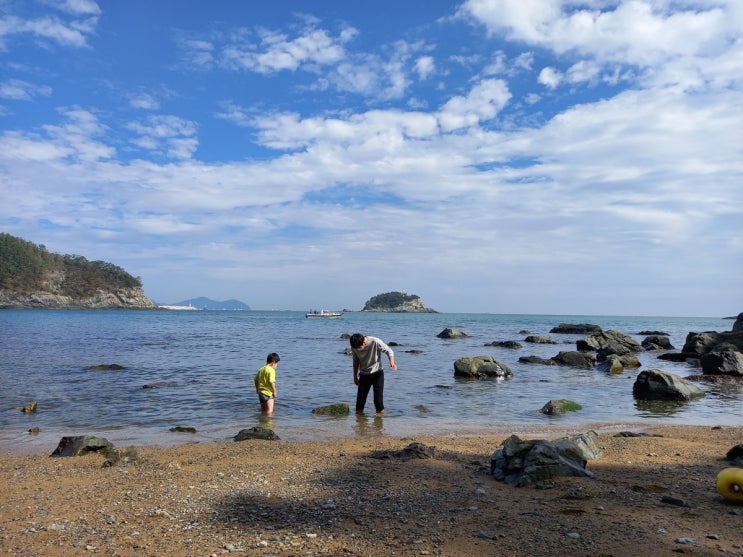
(502, 156)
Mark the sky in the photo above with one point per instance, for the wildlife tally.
(557, 157)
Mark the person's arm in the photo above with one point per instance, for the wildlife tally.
(273, 388)
(390, 354)
(255, 380)
(355, 371)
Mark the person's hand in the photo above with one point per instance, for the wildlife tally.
(393, 365)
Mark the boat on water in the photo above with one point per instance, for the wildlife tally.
(323, 313)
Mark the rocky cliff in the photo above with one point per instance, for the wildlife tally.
(125, 298)
(32, 277)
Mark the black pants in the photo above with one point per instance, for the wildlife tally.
(366, 382)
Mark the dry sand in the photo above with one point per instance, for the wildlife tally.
(331, 498)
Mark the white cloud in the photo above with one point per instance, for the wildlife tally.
(549, 77)
(78, 7)
(425, 66)
(277, 51)
(167, 135)
(71, 33)
(144, 101)
(19, 90)
(482, 103)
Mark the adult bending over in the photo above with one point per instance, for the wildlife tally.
(367, 369)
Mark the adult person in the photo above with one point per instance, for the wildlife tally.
(367, 369)
(265, 383)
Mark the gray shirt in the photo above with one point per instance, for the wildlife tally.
(368, 358)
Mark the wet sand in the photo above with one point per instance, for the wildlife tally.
(331, 498)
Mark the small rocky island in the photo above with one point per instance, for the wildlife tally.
(33, 278)
(397, 302)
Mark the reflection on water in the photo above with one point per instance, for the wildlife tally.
(661, 408)
(366, 427)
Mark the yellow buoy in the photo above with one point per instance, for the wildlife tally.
(730, 483)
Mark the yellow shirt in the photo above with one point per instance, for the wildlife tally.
(265, 376)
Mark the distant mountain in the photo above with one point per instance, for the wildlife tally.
(206, 303)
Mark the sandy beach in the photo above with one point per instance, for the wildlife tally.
(332, 498)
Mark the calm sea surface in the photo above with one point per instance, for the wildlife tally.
(204, 362)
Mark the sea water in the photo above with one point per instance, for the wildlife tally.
(195, 369)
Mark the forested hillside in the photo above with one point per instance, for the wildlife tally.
(29, 269)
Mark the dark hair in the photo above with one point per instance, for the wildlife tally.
(356, 340)
(273, 357)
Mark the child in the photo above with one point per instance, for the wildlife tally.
(265, 383)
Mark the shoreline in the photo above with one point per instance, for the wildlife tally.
(361, 428)
(333, 498)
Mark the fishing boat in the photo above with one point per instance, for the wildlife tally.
(323, 313)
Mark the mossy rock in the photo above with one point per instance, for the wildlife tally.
(554, 407)
(341, 409)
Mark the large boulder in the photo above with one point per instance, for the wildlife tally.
(609, 342)
(657, 342)
(451, 333)
(84, 444)
(724, 362)
(710, 341)
(738, 325)
(571, 358)
(654, 384)
(263, 433)
(481, 367)
(529, 462)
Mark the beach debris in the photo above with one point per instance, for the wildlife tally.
(555, 407)
(481, 367)
(654, 384)
(414, 450)
(340, 409)
(34, 430)
(84, 444)
(451, 333)
(256, 433)
(527, 462)
(668, 500)
(29, 408)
